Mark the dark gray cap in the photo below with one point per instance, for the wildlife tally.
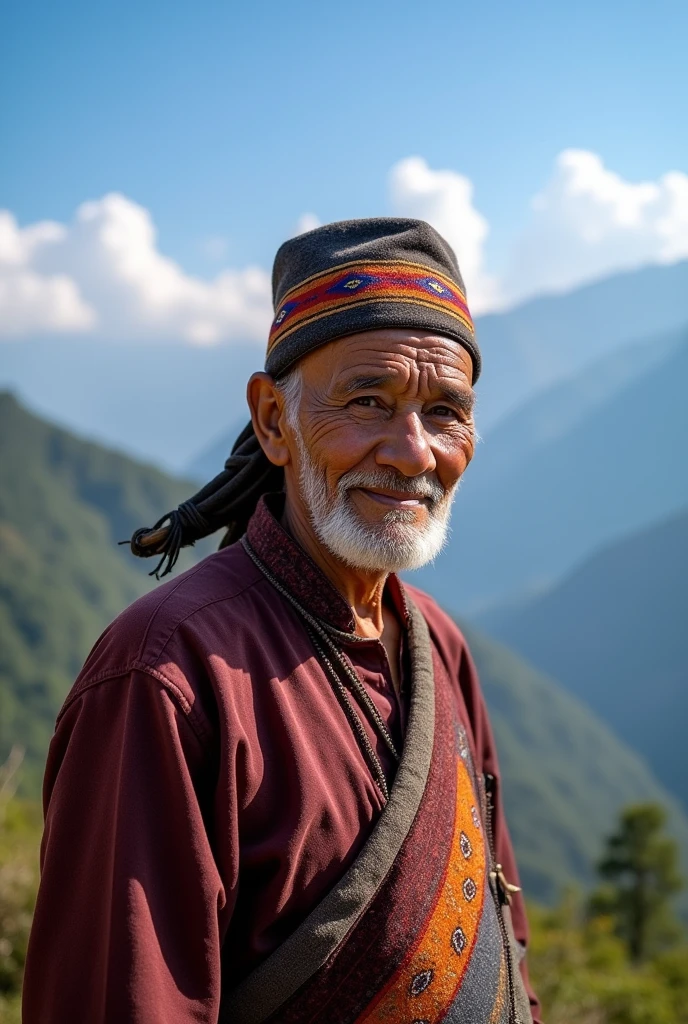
(361, 275)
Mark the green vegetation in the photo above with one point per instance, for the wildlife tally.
(640, 868)
(583, 974)
(623, 959)
(20, 829)
(64, 504)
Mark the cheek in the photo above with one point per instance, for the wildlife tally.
(453, 454)
(338, 443)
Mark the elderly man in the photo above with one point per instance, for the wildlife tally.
(273, 793)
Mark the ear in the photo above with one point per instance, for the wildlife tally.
(266, 405)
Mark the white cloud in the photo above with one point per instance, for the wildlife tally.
(307, 222)
(104, 273)
(445, 200)
(105, 276)
(32, 302)
(589, 222)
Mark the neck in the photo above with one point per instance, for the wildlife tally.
(362, 591)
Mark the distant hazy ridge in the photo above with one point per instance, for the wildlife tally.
(170, 402)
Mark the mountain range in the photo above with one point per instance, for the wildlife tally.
(613, 632)
(64, 504)
(168, 402)
(565, 773)
(591, 460)
(551, 338)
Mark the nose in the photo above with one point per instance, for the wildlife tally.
(406, 447)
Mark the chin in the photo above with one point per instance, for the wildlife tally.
(393, 546)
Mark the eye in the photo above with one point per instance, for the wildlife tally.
(367, 401)
(443, 410)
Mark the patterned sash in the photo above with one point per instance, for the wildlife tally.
(414, 932)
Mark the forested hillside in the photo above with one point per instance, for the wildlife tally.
(64, 504)
(614, 633)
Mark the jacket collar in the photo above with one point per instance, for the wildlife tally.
(287, 560)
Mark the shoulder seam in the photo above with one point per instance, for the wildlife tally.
(173, 590)
(196, 724)
(190, 615)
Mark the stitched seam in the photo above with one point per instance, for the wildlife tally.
(195, 720)
(173, 591)
(151, 668)
(170, 687)
(93, 680)
(190, 615)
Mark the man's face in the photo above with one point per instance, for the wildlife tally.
(382, 434)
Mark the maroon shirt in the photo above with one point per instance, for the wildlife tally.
(204, 789)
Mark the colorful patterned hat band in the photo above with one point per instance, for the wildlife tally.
(359, 275)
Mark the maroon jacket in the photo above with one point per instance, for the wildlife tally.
(204, 789)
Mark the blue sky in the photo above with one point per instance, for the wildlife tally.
(232, 119)
(155, 155)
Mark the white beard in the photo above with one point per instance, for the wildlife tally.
(397, 542)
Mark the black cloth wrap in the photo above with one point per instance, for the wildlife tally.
(228, 501)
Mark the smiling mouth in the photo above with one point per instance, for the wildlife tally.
(395, 499)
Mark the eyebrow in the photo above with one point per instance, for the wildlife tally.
(362, 382)
(464, 400)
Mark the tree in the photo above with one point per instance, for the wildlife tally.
(582, 974)
(640, 869)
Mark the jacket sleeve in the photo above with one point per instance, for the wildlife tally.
(126, 922)
(487, 762)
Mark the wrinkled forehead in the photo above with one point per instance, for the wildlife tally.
(395, 357)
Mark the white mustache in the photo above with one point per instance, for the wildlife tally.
(390, 479)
